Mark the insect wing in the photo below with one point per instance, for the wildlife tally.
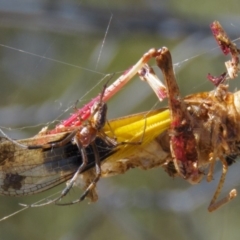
(26, 172)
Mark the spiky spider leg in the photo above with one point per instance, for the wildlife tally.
(227, 46)
(93, 183)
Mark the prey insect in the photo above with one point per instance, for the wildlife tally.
(200, 128)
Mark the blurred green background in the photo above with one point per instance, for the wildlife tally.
(53, 53)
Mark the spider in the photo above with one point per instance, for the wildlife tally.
(83, 136)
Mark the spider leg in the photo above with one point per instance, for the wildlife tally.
(80, 169)
(63, 142)
(71, 182)
(98, 173)
(92, 185)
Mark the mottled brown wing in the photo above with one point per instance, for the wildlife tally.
(25, 172)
